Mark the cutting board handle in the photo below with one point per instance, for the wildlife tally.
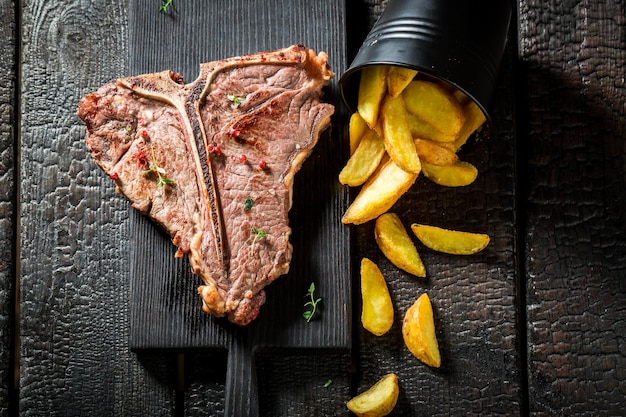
(242, 398)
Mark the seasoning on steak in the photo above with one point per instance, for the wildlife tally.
(213, 162)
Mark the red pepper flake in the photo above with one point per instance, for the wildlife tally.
(241, 158)
(262, 164)
(234, 132)
(115, 176)
(144, 134)
(214, 149)
(141, 121)
(141, 159)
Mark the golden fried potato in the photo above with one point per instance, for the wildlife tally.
(364, 160)
(372, 89)
(422, 130)
(379, 400)
(356, 130)
(398, 78)
(474, 118)
(457, 175)
(418, 331)
(434, 154)
(433, 104)
(377, 311)
(379, 193)
(450, 241)
(397, 135)
(461, 97)
(394, 241)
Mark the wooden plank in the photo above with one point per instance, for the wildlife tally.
(8, 208)
(75, 357)
(165, 308)
(573, 54)
(164, 291)
(474, 298)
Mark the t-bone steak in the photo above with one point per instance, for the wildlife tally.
(213, 162)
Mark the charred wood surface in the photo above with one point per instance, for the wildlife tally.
(573, 58)
(8, 195)
(74, 266)
(534, 326)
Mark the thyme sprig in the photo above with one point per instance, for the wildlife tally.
(258, 234)
(236, 100)
(159, 171)
(312, 303)
(165, 4)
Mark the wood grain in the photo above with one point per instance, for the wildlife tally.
(551, 193)
(165, 307)
(163, 289)
(74, 269)
(573, 54)
(8, 209)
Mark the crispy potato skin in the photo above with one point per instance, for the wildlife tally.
(458, 175)
(397, 136)
(377, 401)
(395, 243)
(379, 193)
(418, 331)
(454, 242)
(432, 103)
(364, 160)
(372, 89)
(377, 309)
(398, 78)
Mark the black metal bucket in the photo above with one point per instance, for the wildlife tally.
(459, 41)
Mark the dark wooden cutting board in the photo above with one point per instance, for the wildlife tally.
(165, 308)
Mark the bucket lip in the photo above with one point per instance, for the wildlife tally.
(352, 71)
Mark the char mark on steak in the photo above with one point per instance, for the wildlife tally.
(213, 162)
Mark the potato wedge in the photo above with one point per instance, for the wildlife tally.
(433, 104)
(461, 97)
(398, 78)
(377, 401)
(379, 193)
(450, 241)
(394, 241)
(397, 135)
(356, 129)
(377, 310)
(434, 154)
(364, 160)
(458, 175)
(418, 331)
(372, 89)
(474, 118)
(422, 130)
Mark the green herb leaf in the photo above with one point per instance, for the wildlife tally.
(312, 303)
(236, 100)
(328, 383)
(159, 171)
(247, 205)
(165, 4)
(258, 233)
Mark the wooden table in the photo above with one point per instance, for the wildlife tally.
(534, 326)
